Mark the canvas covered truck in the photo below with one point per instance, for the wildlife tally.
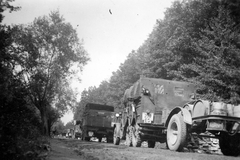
(158, 110)
(97, 122)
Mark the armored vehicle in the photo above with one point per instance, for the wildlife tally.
(158, 110)
(97, 122)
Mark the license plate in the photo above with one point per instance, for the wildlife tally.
(147, 117)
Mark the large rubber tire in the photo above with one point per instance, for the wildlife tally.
(230, 145)
(151, 144)
(129, 137)
(116, 139)
(136, 139)
(176, 133)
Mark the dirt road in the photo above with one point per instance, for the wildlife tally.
(70, 149)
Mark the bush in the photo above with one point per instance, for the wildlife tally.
(20, 124)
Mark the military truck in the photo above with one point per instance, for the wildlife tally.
(97, 122)
(158, 110)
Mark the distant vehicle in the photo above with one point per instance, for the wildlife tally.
(158, 110)
(78, 135)
(97, 122)
(77, 132)
(69, 133)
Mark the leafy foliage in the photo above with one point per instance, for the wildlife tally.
(35, 66)
(58, 128)
(69, 125)
(19, 121)
(47, 50)
(218, 67)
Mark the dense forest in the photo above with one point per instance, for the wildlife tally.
(35, 67)
(197, 41)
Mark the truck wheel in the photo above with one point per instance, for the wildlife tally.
(151, 144)
(230, 145)
(176, 133)
(136, 139)
(129, 137)
(116, 139)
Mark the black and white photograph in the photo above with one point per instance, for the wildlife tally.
(119, 79)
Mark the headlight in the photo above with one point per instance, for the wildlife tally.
(145, 91)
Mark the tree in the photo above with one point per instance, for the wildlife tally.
(69, 125)
(58, 128)
(218, 67)
(169, 46)
(92, 95)
(19, 121)
(5, 5)
(47, 50)
(53, 116)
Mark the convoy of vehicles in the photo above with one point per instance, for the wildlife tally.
(157, 110)
(97, 122)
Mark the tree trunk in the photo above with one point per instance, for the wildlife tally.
(45, 128)
(49, 127)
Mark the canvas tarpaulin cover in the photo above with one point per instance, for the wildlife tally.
(133, 92)
(92, 106)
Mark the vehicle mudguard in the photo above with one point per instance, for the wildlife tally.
(117, 130)
(187, 118)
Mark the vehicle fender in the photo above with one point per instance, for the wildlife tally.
(187, 118)
(117, 130)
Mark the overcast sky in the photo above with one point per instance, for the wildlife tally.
(111, 29)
